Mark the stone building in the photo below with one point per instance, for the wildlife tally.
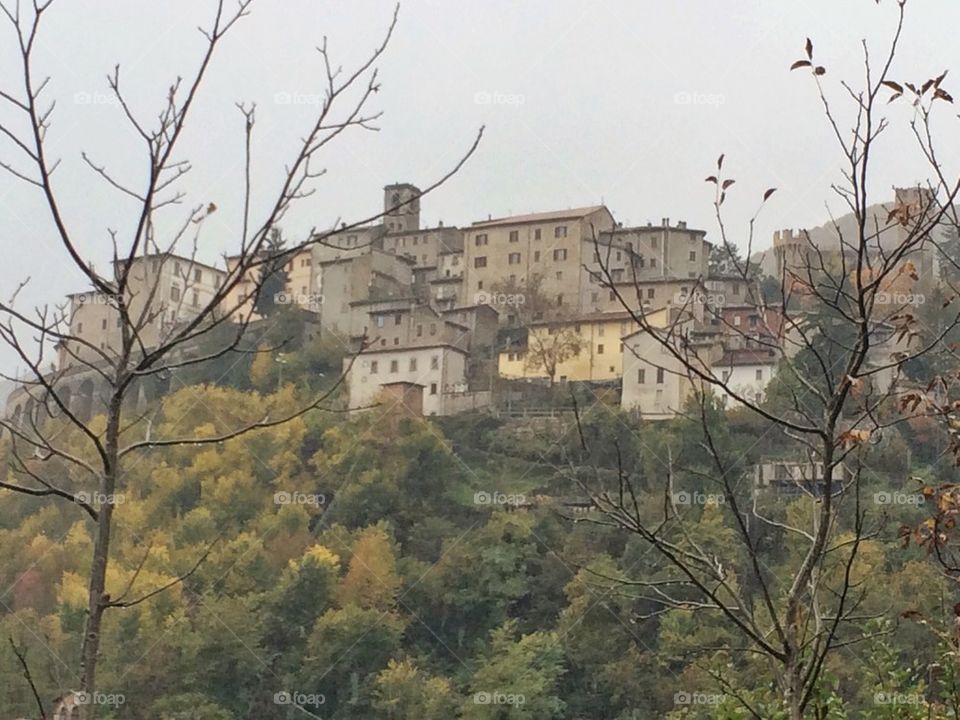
(656, 384)
(658, 251)
(299, 287)
(163, 290)
(516, 248)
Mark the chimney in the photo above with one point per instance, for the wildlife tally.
(439, 223)
(682, 224)
(666, 222)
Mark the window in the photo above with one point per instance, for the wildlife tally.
(79, 327)
(413, 364)
(759, 373)
(396, 341)
(559, 275)
(560, 231)
(380, 321)
(419, 330)
(650, 293)
(736, 321)
(613, 296)
(480, 240)
(653, 262)
(514, 236)
(397, 319)
(536, 234)
(433, 328)
(736, 288)
(536, 256)
(726, 375)
(433, 388)
(659, 398)
(374, 367)
(559, 300)
(642, 376)
(394, 366)
(480, 262)
(174, 293)
(594, 297)
(435, 362)
(659, 376)
(600, 349)
(693, 256)
(195, 299)
(103, 324)
(560, 254)
(654, 242)
(599, 329)
(513, 258)
(480, 285)
(753, 320)
(197, 275)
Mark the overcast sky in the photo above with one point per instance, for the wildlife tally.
(628, 102)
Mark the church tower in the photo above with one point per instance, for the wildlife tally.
(401, 207)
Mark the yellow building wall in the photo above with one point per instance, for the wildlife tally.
(590, 363)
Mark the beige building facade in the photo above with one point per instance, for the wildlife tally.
(163, 290)
(656, 383)
(514, 249)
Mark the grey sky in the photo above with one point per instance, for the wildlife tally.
(625, 101)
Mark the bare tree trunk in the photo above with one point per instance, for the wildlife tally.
(97, 597)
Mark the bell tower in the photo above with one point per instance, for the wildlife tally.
(401, 207)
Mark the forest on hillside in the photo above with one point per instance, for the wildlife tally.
(379, 565)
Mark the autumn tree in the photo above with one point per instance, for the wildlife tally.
(842, 340)
(148, 345)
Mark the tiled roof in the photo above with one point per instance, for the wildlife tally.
(571, 214)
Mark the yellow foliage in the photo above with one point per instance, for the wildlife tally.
(72, 591)
(372, 580)
(261, 367)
